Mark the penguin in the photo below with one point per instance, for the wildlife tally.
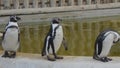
(103, 44)
(53, 40)
(11, 37)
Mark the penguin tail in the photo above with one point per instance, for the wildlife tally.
(43, 53)
(96, 57)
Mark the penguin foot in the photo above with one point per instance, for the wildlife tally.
(58, 57)
(105, 59)
(5, 54)
(51, 59)
(9, 54)
(109, 59)
(13, 55)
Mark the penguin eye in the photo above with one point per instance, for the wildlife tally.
(15, 18)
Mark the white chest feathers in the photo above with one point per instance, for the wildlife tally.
(10, 41)
(58, 39)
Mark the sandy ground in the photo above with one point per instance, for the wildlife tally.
(25, 60)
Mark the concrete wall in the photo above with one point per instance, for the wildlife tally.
(59, 9)
(8, 7)
(23, 4)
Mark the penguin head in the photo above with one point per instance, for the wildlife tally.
(117, 37)
(14, 18)
(56, 20)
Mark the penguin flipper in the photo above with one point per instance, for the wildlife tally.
(3, 36)
(64, 44)
(43, 49)
(18, 37)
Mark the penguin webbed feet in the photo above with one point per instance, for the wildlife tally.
(13, 55)
(105, 59)
(5, 54)
(10, 54)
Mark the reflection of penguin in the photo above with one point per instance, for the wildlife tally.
(53, 40)
(104, 43)
(10, 40)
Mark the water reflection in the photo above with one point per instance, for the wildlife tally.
(80, 37)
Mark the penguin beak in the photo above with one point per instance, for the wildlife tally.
(18, 18)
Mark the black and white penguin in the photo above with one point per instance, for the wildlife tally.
(103, 44)
(53, 40)
(10, 39)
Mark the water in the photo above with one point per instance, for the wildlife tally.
(80, 36)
